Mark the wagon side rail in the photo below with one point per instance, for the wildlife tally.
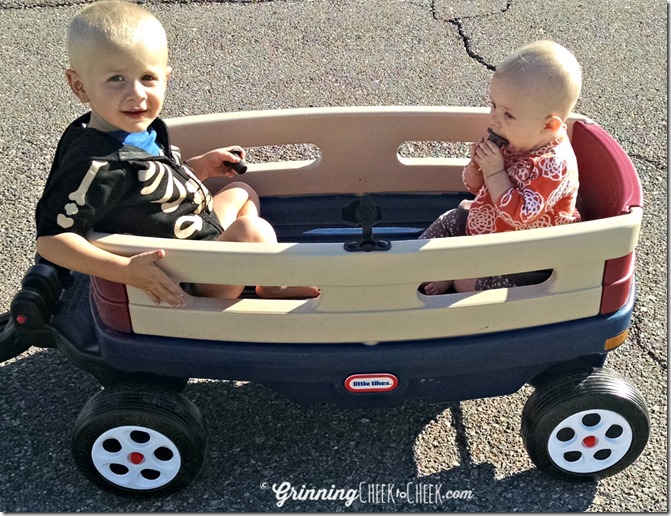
(358, 146)
(373, 297)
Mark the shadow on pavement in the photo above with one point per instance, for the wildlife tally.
(256, 440)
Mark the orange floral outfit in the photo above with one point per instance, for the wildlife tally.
(544, 192)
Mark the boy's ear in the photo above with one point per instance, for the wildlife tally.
(553, 123)
(76, 85)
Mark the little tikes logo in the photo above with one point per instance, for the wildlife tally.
(376, 382)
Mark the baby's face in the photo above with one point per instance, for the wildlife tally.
(516, 117)
(124, 85)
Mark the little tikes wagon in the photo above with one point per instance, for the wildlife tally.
(348, 223)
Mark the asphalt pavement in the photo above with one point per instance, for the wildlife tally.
(245, 55)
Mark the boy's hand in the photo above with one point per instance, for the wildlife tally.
(489, 158)
(211, 164)
(143, 273)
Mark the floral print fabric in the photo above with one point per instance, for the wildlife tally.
(544, 192)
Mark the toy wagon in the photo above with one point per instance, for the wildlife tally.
(348, 221)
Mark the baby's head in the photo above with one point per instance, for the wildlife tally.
(118, 55)
(538, 85)
(547, 73)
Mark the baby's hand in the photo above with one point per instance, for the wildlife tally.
(474, 147)
(489, 158)
(472, 176)
(143, 273)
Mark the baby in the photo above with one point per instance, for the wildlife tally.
(116, 172)
(528, 177)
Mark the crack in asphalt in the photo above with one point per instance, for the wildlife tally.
(461, 437)
(654, 357)
(458, 22)
(637, 341)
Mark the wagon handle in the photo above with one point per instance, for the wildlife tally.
(364, 213)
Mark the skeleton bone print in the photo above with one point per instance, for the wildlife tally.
(99, 183)
(158, 184)
(65, 219)
(159, 176)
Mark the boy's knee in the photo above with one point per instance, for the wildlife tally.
(250, 229)
(245, 189)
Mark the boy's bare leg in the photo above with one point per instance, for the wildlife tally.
(241, 229)
(218, 291)
(286, 292)
(233, 201)
(250, 228)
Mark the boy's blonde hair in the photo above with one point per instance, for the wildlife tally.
(546, 72)
(112, 22)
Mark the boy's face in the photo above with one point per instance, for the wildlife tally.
(124, 86)
(518, 118)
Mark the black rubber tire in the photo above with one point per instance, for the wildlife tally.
(553, 417)
(160, 418)
(108, 377)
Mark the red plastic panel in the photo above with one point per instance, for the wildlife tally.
(618, 280)
(618, 268)
(609, 184)
(111, 301)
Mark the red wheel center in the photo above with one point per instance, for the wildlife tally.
(589, 441)
(136, 458)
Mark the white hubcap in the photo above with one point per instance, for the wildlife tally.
(135, 457)
(590, 441)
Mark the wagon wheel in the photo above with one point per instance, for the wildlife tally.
(585, 426)
(139, 440)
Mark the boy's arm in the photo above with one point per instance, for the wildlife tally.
(74, 252)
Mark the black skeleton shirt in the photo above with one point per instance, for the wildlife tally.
(98, 183)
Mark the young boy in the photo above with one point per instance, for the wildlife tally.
(531, 181)
(115, 170)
